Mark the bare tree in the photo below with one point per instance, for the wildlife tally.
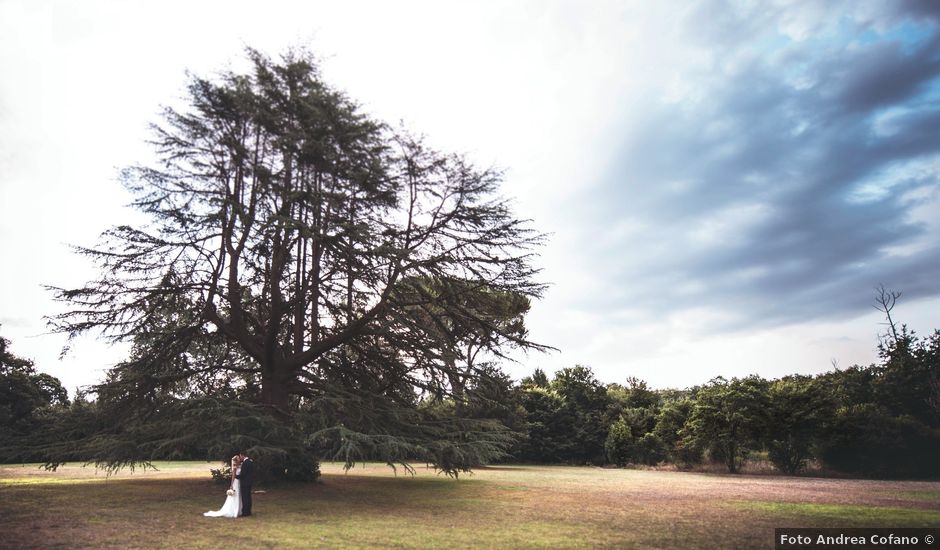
(885, 300)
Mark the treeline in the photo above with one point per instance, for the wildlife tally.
(27, 398)
(882, 420)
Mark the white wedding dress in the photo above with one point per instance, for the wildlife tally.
(232, 507)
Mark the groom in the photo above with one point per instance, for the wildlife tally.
(246, 477)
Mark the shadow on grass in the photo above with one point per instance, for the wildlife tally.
(344, 510)
(547, 507)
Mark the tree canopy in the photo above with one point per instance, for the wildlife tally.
(24, 392)
(313, 262)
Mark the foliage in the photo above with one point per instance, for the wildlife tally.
(878, 420)
(728, 417)
(620, 444)
(23, 389)
(429, 432)
(635, 395)
(866, 440)
(798, 409)
(223, 474)
(549, 427)
(493, 396)
(302, 257)
(538, 379)
(585, 403)
(891, 428)
(671, 429)
(906, 382)
(28, 400)
(463, 320)
(650, 449)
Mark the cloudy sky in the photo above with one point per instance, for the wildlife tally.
(724, 182)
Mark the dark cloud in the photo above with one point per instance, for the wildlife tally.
(789, 184)
(929, 9)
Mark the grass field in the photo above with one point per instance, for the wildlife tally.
(501, 507)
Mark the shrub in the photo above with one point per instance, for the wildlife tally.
(222, 475)
(866, 440)
(620, 445)
(649, 450)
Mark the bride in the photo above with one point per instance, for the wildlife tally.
(232, 507)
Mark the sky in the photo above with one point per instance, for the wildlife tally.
(723, 183)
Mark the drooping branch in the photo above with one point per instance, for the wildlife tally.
(319, 248)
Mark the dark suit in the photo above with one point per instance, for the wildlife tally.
(246, 477)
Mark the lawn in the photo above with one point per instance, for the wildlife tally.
(502, 507)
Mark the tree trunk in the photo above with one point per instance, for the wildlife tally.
(274, 389)
(732, 453)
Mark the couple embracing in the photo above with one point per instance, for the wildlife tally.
(238, 499)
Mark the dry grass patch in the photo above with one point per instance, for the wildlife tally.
(503, 507)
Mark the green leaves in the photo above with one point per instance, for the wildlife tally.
(27, 397)
(308, 279)
(728, 417)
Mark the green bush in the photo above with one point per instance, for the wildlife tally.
(687, 452)
(296, 467)
(222, 475)
(650, 450)
(788, 455)
(868, 441)
(620, 444)
(291, 466)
